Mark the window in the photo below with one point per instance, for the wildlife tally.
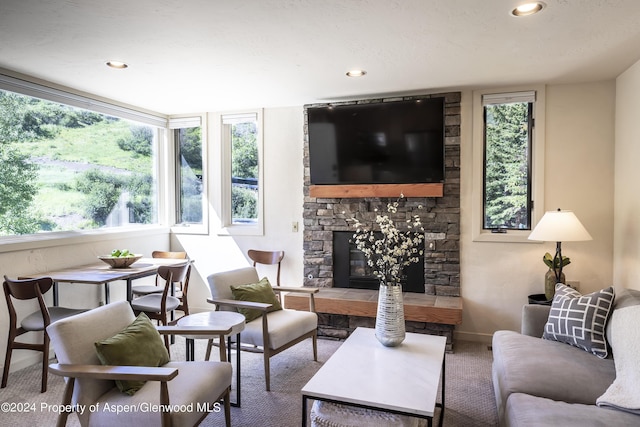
(190, 182)
(69, 168)
(508, 150)
(242, 181)
(508, 125)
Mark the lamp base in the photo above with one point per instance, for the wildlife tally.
(550, 281)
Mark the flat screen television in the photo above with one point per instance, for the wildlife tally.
(399, 142)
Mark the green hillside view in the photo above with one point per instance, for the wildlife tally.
(69, 169)
(64, 159)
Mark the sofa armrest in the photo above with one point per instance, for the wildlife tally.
(534, 317)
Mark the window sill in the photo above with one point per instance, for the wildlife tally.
(511, 236)
(45, 240)
(242, 230)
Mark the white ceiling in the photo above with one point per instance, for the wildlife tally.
(210, 55)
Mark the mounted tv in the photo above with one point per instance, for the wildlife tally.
(400, 142)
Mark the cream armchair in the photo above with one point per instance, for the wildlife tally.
(191, 390)
(273, 331)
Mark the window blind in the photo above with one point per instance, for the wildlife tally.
(508, 98)
(36, 90)
(185, 122)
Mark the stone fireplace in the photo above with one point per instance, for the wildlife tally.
(350, 269)
(439, 273)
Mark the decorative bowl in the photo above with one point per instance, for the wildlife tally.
(120, 262)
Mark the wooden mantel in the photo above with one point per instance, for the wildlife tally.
(362, 302)
(377, 190)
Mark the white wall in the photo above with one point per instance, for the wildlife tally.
(627, 177)
(58, 254)
(283, 175)
(496, 278)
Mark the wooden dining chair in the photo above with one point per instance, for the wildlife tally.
(267, 258)
(152, 289)
(31, 289)
(181, 282)
(157, 306)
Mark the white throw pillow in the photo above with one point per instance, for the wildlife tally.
(624, 339)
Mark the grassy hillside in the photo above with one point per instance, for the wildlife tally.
(64, 158)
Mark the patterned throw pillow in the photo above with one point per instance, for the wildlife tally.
(580, 320)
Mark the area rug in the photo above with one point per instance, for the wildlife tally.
(469, 391)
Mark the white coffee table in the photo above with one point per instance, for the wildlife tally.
(216, 320)
(366, 374)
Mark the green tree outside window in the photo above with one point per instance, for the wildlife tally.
(507, 166)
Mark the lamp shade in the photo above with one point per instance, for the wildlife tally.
(560, 226)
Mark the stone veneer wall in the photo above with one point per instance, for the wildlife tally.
(440, 217)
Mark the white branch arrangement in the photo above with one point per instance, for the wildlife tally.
(395, 249)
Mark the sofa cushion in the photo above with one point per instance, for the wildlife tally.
(199, 381)
(544, 368)
(580, 320)
(624, 393)
(524, 410)
(284, 326)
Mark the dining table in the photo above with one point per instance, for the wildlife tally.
(100, 273)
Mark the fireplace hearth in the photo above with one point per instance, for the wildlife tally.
(350, 269)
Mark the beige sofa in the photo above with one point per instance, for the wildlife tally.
(545, 382)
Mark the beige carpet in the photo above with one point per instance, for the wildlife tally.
(469, 393)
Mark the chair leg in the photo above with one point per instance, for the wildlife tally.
(314, 339)
(45, 362)
(209, 347)
(66, 402)
(163, 321)
(267, 369)
(227, 408)
(7, 359)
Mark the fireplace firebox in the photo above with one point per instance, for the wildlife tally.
(350, 269)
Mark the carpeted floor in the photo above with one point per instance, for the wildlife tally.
(469, 392)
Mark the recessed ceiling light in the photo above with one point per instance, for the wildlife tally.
(529, 8)
(117, 64)
(356, 73)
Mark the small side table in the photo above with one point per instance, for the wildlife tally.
(540, 299)
(216, 320)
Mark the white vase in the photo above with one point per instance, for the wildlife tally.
(390, 329)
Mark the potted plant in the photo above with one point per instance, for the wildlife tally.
(554, 274)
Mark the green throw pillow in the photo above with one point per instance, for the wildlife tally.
(139, 344)
(255, 292)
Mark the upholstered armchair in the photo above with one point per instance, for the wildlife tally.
(272, 331)
(95, 386)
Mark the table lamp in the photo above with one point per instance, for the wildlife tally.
(559, 226)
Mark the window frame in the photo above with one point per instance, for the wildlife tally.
(23, 85)
(174, 123)
(227, 227)
(479, 233)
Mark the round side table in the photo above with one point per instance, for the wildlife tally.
(216, 320)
